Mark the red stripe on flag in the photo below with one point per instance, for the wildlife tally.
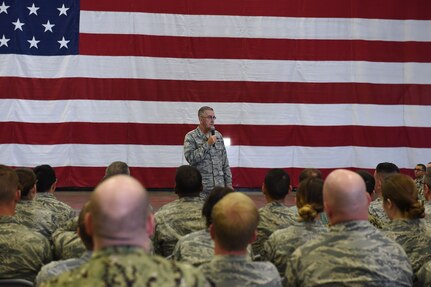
(202, 91)
(384, 9)
(259, 49)
(155, 134)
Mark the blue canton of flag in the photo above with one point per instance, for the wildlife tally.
(39, 27)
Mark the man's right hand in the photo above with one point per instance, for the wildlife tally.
(212, 140)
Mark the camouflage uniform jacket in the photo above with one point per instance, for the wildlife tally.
(56, 268)
(66, 241)
(211, 161)
(22, 251)
(414, 236)
(376, 210)
(174, 220)
(420, 187)
(424, 275)
(35, 217)
(239, 271)
(62, 212)
(197, 248)
(281, 244)
(427, 205)
(129, 266)
(353, 253)
(274, 215)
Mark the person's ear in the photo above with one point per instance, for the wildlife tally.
(253, 238)
(88, 221)
(150, 225)
(263, 189)
(17, 195)
(212, 232)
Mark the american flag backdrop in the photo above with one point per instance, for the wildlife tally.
(294, 84)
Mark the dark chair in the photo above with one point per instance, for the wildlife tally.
(16, 283)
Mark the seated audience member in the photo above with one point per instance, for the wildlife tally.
(55, 268)
(234, 223)
(28, 212)
(309, 172)
(66, 242)
(383, 170)
(281, 244)
(400, 201)
(424, 275)
(353, 252)
(182, 216)
(197, 247)
(420, 170)
(120, 224)
(275, 214)
(117, 167)
(22, 251)
(427, 195)
(370, 183)
(46, 184)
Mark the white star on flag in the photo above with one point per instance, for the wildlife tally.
(48, 26)
(63, 43)
(18, 24)
(33, 9)
(3, 41)
(33, 42)
(63, 10)
(3, 8)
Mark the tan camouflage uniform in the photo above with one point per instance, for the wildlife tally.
(272, 216)
(211, 161)
(414, 236)
(376, 210)
(281, 244)
(353, 253)
(197, 248)
(62, 212)
(35, 217)
(22, 251)
(174, 220)
(233, 270)
(131, 267)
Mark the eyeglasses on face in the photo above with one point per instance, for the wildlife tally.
(418, 169)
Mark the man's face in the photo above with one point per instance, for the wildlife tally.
(419, 172)
(207, 120)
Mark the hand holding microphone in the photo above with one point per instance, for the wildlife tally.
(213, 138)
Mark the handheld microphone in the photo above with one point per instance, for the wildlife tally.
(213, 132)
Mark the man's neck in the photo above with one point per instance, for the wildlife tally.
(7, 210)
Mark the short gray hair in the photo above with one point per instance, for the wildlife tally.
(203, 109)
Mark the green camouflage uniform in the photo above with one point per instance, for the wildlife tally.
(272, 216)
(62, 212)
(420, 187)
(427, 206)
(376, 210)
(174, 220)
(131, 267)
(211, 161)
(281, 244)
(197, 248)
(56, 268)
(239, 271)
(424, 275)
(414, 236)
(353, 253)
(67, 244)
(35, 217)
(22, 251)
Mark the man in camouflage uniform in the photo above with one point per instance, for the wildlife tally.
(234, 222)
(22, 251)
(370, 183)
(353, 253)
(182, 216)
(46, 184)
(420, 170)
(274, 215)
(66, 241)
(28, 212)
(207, 152)
(383, 170)
(427, 196)
(119, 221)
(56, 268)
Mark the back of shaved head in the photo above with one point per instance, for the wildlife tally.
(345, 196)
(119, 210)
